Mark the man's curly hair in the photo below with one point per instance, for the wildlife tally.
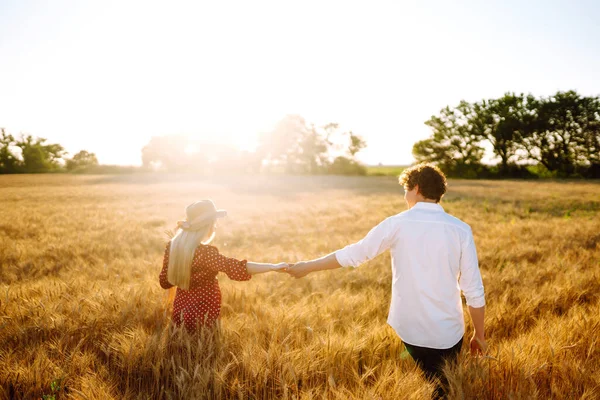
(431, 180)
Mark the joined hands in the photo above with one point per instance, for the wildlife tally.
(303, 268)
(297, 270)
(281, 267)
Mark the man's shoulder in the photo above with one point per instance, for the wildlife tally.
(451, 219)
(409, 215)
(398, 217)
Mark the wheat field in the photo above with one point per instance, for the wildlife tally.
(83, 316)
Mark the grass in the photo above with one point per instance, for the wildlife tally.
(385, 170)
(82, 314)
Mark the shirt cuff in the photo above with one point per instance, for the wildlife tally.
(476, 302)
(342, 258)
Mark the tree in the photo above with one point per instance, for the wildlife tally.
(311, 153)
(350, 144)
(296, 146)
(343, 165)
(280, 144)
(563, 132)
(292, 146)
(455, 144)
(357, 143)
(587, 142)
(181, 153)
(9, 163)
(38, 156)
(174, 153)
(81, 160)
(500, 121)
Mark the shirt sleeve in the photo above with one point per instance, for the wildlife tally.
(235, 269)
(470, 281)
(164, 281)
(378, 240)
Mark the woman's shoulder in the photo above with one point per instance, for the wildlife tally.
(206, 249)
(205, 255)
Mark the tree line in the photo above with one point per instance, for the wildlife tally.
(557, 136)
(28, 154)
(292, 146)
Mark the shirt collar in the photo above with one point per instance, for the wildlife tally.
(421, 205)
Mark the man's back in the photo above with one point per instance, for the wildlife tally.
(433, 258)
(430, 249)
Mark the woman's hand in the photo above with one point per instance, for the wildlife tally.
(281, 267)
(254, 268)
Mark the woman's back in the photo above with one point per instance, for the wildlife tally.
(201, 303)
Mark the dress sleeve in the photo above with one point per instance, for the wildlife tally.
(164, 281)
(235, 269)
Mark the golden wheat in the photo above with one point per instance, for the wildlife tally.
(82, 314)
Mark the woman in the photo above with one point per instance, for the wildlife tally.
(192, 265)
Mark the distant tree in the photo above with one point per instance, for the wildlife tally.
(278, 145)
(292, 146)
(162, 152)
(343, 165)
(9, 163)
(82, 160)
(455, 145)
(341, 142)
(173, 153)
(587, 139)
(180, 153)
(295, 145)
(38, 156)
(347, 164)
(312, 151)
(357, 143)
(500, 121)
(563, 133)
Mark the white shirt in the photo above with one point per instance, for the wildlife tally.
(433, 259)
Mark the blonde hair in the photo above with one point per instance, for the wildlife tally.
(181, 253)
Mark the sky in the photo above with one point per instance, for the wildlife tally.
(106, 76)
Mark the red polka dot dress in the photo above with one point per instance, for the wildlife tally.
(201, 303)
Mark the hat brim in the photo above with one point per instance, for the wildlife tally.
(201, 223)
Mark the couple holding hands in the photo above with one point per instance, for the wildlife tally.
(433, 260)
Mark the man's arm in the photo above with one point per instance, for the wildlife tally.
(471, 284)
(478, 344)
(376, 242)
(304, 268)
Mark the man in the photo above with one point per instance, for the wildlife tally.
(433, 259)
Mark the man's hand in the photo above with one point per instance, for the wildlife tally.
(281, 267)
(300, 269)
(478, 346)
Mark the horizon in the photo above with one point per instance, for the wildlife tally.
(380, 71)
